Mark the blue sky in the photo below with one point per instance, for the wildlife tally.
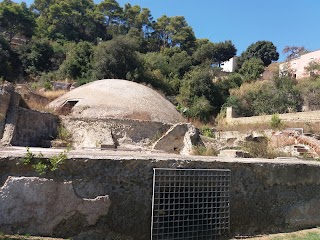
(283, 22)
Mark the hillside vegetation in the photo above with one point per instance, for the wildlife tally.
(81, 41)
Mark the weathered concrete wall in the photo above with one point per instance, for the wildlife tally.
(266, 195)
(88, 132)
(311, 116)
(20, 126)
(32, 127)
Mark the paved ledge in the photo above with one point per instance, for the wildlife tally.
(266, 195)
(12, 152)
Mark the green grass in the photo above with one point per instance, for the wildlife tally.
(308, 236)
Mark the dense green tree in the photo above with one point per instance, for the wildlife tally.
(72, 20)
(198, 90)
(252, 69)
(117, 58)
(215, 53)
(156, 61)
(77, 64)
(201, 41)
(204, 53)
(170, 69)
(158, 72)
(112, 15)
(223, 51)
(138, 18)
(42, 6)
(16, 19)
(265, 50)
(181, 63)
(36, 56)
(224, 85)
(6, 59)
(173, 31)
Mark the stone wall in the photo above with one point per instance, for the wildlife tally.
(94, 133)
(266, 195)
(4, 105)
(20, 126)
(311, 116)
(33, 127)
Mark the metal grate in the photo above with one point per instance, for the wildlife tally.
(190, 204)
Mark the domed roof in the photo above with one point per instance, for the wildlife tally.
(120, 99)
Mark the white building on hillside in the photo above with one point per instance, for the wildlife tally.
(230, 65)
(297, 66)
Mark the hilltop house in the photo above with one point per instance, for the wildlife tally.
(230, 65)
(297, 66)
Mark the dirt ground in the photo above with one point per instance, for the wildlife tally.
(17, 237)
(309, 234)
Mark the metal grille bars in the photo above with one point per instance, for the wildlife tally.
(190, 204)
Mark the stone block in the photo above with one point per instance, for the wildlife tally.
(43, 206)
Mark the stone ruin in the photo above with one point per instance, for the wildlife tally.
(121, 114)
(105, 114)
(21, 126)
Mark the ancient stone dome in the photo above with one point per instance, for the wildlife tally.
(119, 99)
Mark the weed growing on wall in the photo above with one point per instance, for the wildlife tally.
(43, 165)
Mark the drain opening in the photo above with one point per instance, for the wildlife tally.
(190, 204)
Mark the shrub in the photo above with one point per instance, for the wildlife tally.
(267, 97)
(276, 121)
(252, 69)
(64, 134)
(260, 149)
(207, 131)
(204, 151)
(36, 56)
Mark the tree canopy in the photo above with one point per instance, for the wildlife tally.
(251, 69)
(265, 50)
(83, 41)
(293, 52)
(215, 53)
(16, 19)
